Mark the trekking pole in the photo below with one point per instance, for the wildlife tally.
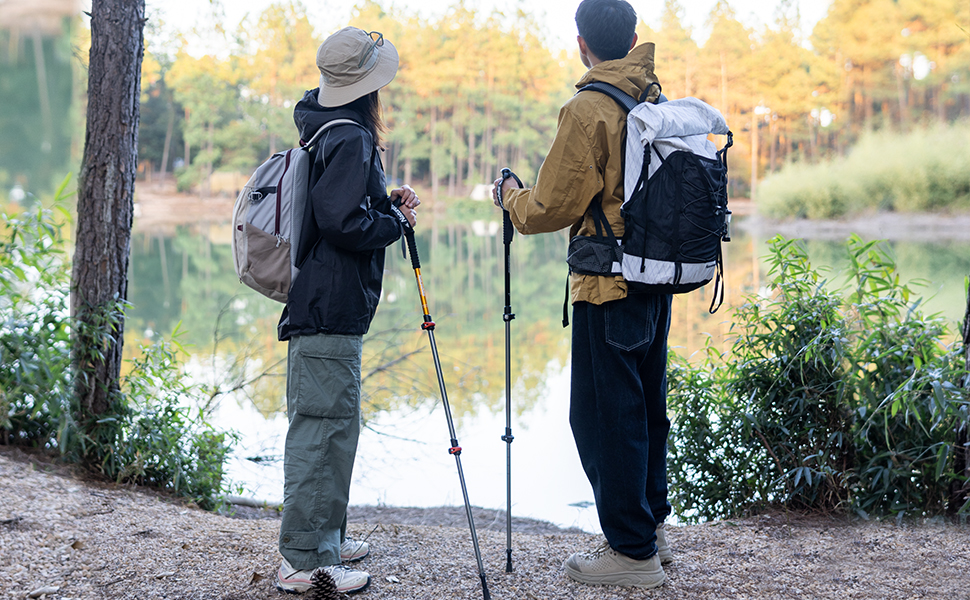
(428, 325)
(507, 232)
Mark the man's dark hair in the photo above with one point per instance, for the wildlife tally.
(608, 26)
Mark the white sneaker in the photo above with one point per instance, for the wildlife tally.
(298, 581)
(346, 579)
(606, 566)
(351, 550)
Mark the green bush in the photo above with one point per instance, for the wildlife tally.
(34, 335)
(831, 399)
(926, 170)
(148, 436)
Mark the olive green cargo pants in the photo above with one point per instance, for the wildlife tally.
(323, 407)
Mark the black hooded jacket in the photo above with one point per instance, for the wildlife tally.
(346, 227)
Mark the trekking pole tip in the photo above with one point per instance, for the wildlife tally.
(484, 587)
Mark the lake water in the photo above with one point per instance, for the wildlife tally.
(185, 276)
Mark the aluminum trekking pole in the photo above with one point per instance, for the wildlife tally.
(507, 232)
(428, 325)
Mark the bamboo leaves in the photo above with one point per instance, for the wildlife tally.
(844, 400)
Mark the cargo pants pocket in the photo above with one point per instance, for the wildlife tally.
(327, 373)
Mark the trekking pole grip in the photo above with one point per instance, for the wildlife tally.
(412, 248)
(408, 233)
(507, 230)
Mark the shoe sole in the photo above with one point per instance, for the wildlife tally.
(353, 558)
(280, 587)
(355, 590)
(627, 579)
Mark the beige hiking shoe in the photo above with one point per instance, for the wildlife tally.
(663, 550)
(606, 566)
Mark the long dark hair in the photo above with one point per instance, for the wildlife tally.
(369, 109)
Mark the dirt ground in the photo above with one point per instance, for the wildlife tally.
(67, 537)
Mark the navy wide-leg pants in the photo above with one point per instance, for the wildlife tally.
(618, 415)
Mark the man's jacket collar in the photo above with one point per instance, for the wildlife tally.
(632, 73)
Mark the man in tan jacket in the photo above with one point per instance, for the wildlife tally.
(619, 342)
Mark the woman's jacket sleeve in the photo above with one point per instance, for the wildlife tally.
(345, 200)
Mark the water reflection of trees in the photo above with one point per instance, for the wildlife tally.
(231, 331)
(36, 96)
(463, 273)
(187, 281)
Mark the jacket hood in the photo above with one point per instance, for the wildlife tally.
(632, 73)
(309, 115)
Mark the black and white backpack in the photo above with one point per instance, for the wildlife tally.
(674, 208)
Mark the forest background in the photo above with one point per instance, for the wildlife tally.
(478, 91)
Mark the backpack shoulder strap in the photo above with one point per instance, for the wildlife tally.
(626, 101)
(326, 126)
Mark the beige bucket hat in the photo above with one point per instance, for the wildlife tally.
(354, 63)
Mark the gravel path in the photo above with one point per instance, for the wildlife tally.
(64, 537)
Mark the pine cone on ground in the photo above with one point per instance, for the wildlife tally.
(323, 587)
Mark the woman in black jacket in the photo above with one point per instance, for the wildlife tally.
(331, 303)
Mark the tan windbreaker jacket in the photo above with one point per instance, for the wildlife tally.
(585, 163)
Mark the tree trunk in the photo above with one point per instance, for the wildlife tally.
(488, 160)
(773, 145)
(210, 146)
(42, 92)
(724, 83)
(472, 177)
(433, 166)
(903, 101)
(169, 132)
(395, 162)
(104, 206)
(452, 188)
(187, 155)
(754, 155)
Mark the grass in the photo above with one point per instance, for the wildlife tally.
(923, 171)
